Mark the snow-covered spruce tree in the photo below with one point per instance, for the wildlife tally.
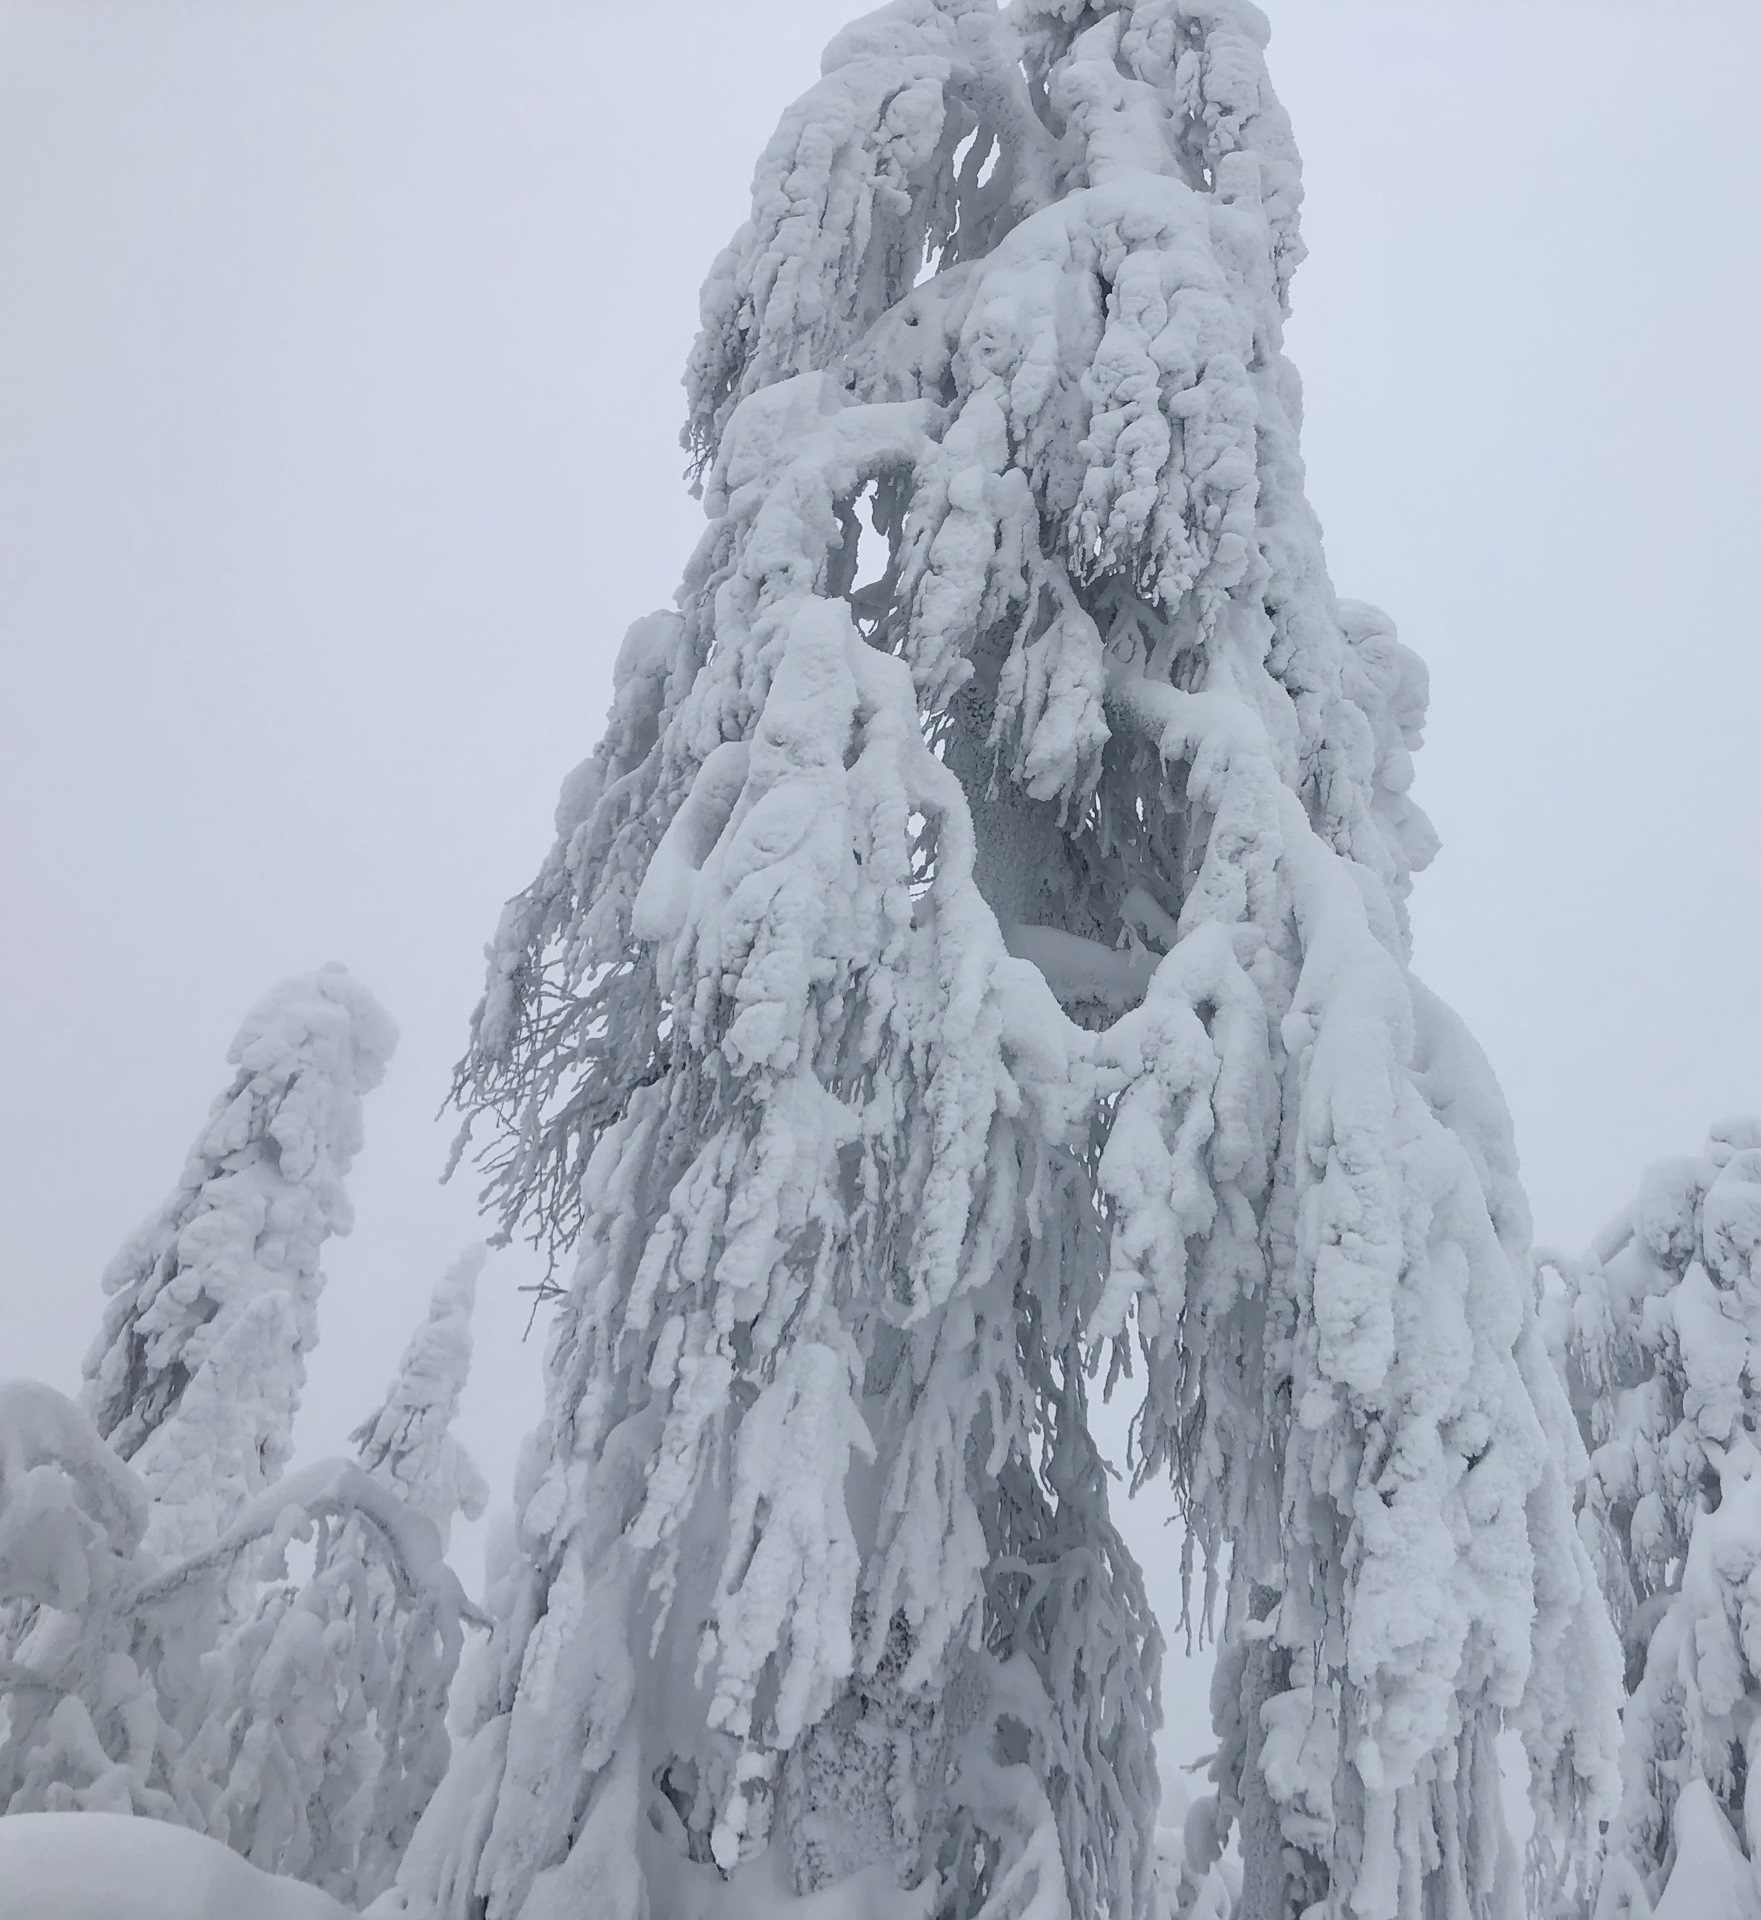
(1195, 1879)
(321, 1733)
(977, 953)
(386, 1748)
(1658, 1333)
(196, 1374)
(80, 1719)
(298, 1716)
(408, 1442)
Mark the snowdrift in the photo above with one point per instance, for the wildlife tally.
(107, 1866)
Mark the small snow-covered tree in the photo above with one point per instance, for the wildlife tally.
(975, 955)
(387, 1749)
(298, 1716)
(316, 1734)
(324, 1733)
(196, 1374)
(159, 1650)
(1658, 1333)
(408, 1442)
(80, 1719)
(1195, 1878)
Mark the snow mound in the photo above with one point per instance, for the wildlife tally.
(107, 1866)
(1711, 1880)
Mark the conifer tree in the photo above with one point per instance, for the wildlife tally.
(408, 1441)
(317, 1734)
(975, 955)
(81, 1725)
(196, 1374)
(158, 1652)
(373, 1721)
(1658, 1334)
(301, 1720)
(323, 1727)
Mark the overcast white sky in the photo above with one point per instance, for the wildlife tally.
(339, 356)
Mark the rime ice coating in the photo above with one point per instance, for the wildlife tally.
(976, 951)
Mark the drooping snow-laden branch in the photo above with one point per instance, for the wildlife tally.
(301, 1500)
(976, 955)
